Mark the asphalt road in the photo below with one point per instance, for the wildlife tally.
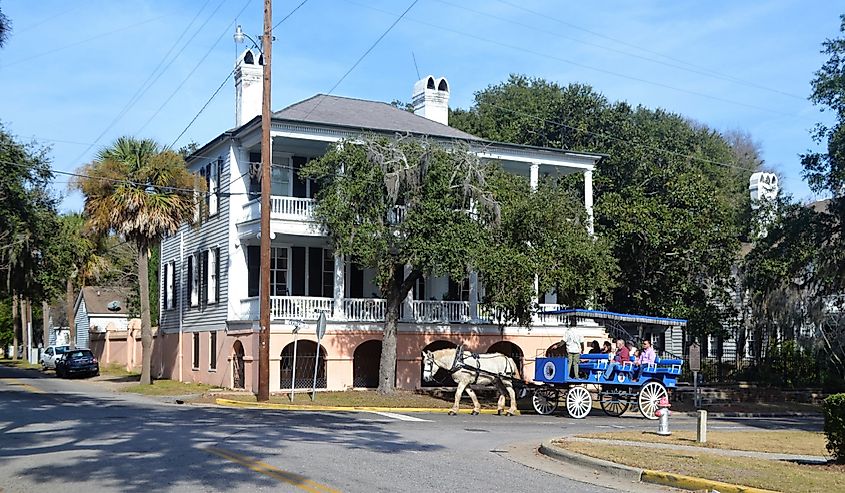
(68, 436)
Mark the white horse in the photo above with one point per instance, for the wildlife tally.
(493, 368)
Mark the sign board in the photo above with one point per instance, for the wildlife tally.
(321, 326)
(695, 357)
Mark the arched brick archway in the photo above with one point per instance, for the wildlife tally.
(442, 378)
(238, 371)
(509, 349)
(365, 364)
(306, 358)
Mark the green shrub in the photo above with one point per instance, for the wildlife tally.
(834, 425)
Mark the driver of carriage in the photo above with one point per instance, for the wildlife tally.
(622, 355)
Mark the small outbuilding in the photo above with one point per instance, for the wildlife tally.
(98, 309)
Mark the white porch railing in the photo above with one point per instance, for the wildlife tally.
(299, 307)
(550, 319)
(292, 206)
(281, 208)
(438, 311)
(364, 309)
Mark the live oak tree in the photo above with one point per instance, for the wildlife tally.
(670, 195)
(141, 193)
(392, 203)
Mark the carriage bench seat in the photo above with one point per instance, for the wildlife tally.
(669, 366)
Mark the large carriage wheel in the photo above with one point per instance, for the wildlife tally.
(545, 400)
(614, 402)
(579, 402)
(649, 398)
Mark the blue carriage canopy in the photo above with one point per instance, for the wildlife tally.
(619, 317)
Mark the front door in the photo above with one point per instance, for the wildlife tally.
(238, 367)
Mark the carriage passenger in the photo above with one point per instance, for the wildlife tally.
(622, 355)
(606, 348)
(648, 357)
(595, 348)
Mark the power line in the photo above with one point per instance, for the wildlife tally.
(401, 16)
(577, 64)
(29, 58)
(227, 79)
(148, 83)
(691, 68)
(646, 50)
(194, 70)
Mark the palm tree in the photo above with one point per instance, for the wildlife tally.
(142, 193)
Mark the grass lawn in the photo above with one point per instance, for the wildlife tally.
(779, 442)
(759, 473)
(167, 387)
(751, 407)
(117, 370)
(21, 363)
(359, 398)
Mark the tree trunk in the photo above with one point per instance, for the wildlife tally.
(45, 323)
(15, 326)
(71, 322)
(24, 323)
(397, 290)
(146, 329)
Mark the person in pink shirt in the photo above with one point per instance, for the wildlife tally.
(648, 356)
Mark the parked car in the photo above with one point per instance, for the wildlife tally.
(51, 354)
(77, 362)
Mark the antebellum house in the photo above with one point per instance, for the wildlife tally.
(210, 270)
(98, 310)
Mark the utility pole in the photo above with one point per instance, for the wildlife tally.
(266, 160)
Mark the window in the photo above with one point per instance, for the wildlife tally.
(193, 280)
(254, 175)
(169, 275)
(213, 274)
(279, 271)
(419, 288)
(212, 178)
(212, 351)
(328, 273)
(195, 360)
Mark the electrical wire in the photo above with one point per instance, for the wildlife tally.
(577, 64)
(401, 16)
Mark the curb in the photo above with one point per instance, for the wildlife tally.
(297, 407)
(606, 466)
(693, 483)
(757, 415)
(644, 475)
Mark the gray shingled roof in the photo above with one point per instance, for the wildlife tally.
(97, 299)
(366, 115)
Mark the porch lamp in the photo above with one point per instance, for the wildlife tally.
(263, 393)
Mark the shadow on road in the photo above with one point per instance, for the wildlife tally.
(142, 447)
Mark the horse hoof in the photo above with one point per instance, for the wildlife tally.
(509, 413)
(498, 412)
(474, 413)
(452, 413)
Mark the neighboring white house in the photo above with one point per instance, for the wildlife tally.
(98, 309)
(210, 272)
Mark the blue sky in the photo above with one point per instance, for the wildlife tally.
(71, 67)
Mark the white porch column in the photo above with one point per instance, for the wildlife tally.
(407, 304)
(473, 296)
(588, 199)
(339, 286)
(535, 176)
(535, 182)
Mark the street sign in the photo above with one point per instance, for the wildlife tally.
(695, 357)
(321, 326)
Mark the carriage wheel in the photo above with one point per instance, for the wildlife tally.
(650, 395)
(545, 400)
(579, 402)
(614, 402)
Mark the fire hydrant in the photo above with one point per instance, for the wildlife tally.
(663, 413)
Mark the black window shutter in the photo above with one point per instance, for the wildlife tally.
(190, 285)
(297, 268)
(217, 275)
(299, 189)
(204, 278)
(164, 277)
(219, 175)
(253, 265)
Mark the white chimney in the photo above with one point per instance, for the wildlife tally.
(431, 99)
(249, 86)
(762, 186)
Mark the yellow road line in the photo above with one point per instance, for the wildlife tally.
(25, 386)
(297, 480)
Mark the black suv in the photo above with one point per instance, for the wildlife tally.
(77, 362)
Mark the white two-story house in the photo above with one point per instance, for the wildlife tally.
(210, 271)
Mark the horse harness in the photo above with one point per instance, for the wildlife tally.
(459, 363)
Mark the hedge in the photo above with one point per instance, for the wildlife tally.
(834, 425)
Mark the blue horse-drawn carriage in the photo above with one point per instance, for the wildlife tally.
(617, 386)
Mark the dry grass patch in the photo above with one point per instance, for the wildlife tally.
(167, 387)
(21, 363)
(778, 442)
(117, 370)
(350, 398)
(758, 473)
